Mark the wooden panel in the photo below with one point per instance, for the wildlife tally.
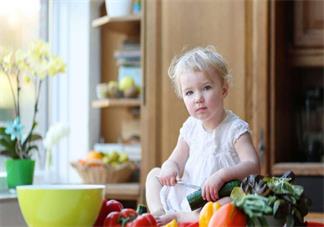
(300, 169)
(209, 22)
(205, 23)
(308, 57)
(309, 23)
(150, 109)
(260, 88)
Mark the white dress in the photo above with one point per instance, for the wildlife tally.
(209, 152)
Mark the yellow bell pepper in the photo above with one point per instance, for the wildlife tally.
(172, 223)
(207, 212)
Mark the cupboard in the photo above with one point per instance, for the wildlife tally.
(119, 116)
(261, 44)
(270, 61)
(296, 83)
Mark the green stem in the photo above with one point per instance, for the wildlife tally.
(18, 92)
(34, 115)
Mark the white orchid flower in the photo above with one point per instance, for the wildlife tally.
(53, 136)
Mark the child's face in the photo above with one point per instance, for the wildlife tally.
(203, 97)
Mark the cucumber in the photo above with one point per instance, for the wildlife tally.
(196, 201)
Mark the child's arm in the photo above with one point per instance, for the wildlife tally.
(249, 164)
(173, 167)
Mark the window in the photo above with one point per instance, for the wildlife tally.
(21, 23)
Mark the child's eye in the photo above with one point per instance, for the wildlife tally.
(207, 87)
(187, 93)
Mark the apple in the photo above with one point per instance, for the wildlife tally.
(112, 89)
(126, 83)
(107, 207)
(131, 92)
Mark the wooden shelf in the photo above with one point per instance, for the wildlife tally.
(106, 19)
(299, 168)
(123, 191)
(121, 102)
(307, 57)
(315, 217)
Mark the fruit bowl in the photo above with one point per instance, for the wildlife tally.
(102, 173)
(60, 205)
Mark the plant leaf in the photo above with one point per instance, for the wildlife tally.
(30, 148)
(35, 137)
(290, 221)
(237, 194)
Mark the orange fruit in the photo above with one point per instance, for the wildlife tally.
(94, 155)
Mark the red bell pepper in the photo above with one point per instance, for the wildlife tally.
(314, 224)
(146, 220)
(107, 207)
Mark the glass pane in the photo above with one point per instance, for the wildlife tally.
(21, 23)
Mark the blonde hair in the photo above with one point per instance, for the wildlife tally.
(198, 59)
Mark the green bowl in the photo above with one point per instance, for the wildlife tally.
(60, 205)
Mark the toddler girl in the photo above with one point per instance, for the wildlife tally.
(214, 145)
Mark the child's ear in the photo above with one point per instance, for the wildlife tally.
(225, 89)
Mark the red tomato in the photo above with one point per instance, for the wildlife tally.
(117, 218)
(107, 206)
(112, 219)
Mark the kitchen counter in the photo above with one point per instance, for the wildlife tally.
(10, 214)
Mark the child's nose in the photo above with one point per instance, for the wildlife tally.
(199, 98)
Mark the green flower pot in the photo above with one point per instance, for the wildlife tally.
(19, 172)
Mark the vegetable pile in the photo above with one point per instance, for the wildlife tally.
(113, 214)
(261, 196)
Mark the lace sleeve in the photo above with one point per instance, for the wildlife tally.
(239, 128)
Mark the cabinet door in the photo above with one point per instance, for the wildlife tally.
(309, 23)
(170, 27)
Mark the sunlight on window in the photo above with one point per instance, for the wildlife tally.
(19, 22)
(20, 25)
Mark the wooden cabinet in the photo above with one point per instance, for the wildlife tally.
(269, 72)
(309, 24)
(268, 67)
(117, 112)
(296, 72)
(171, 26)
(295, 98)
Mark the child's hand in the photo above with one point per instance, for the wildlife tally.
(168, 176)
(211, 187)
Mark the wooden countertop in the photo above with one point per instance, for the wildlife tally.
(315, 217)
(123, 191)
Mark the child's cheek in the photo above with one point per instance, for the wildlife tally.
(190, 106)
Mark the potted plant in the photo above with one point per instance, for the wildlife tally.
(33, 65)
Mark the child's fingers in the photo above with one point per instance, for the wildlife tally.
(205, 193)
(214, 194)
(173, 181)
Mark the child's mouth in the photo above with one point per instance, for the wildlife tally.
(201, 109)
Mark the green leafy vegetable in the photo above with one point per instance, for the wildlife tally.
(260, 196)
